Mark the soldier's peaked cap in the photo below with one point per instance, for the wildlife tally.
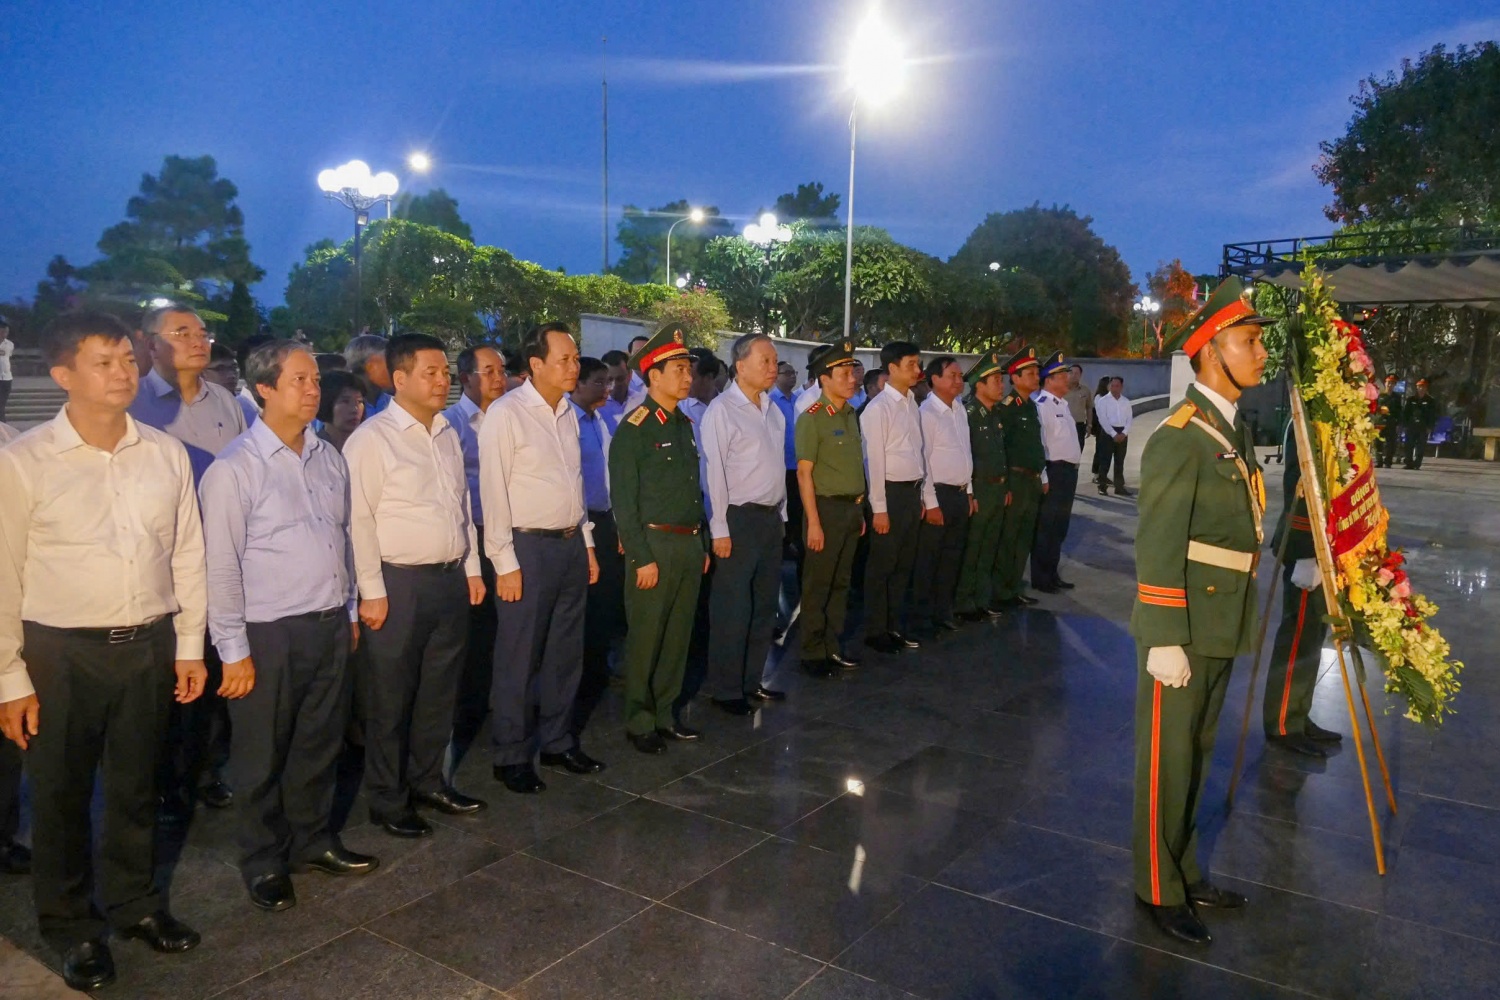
(1024, 358)
(1228, 306)
(668, 342)
(1054, 364)
(837, 355)
(984, 366)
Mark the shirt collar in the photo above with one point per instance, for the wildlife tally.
(738, 397)
(937, 403)
(405, 421)
(268, 444)
(890, 390)
(65, 436)
(161, 387)
(531, 397)
(468, 407)
(1227, 409)
(580, 412)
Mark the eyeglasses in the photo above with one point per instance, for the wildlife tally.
(186, 336)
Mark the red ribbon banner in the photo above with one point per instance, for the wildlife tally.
(1354, 513)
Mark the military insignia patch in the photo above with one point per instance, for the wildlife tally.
(848, 346)
(814, 408)
(677, 336)
(638, 416)
(661, 416)
(1181, 417)
(831, 410)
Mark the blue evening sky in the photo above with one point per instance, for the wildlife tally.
(1178, 126)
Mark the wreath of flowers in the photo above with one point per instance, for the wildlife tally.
(1389, 618)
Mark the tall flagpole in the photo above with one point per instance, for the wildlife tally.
(605, 43)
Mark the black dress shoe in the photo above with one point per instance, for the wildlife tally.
(216, 795)
(1206, 893)
(647, 742)
(15, 859)
(88, 966)
(1104, 491)
(766, 694)
(339, 861)
(818, 668)
(973, 616)
(1121, 491)
(1064, 585)
(1318, 734)
(408, 824)
(272, 892)
(1298, 744)
(450, 801)
(843, 662)
(1023, 599)
(1179, 922)
(881, 644)
(1048, 588)
(519, 778)
(574, 760)
(946, 625)
(735, 706)
(679, 733)
(904, 641)
(163, 932)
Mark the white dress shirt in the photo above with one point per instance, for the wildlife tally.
(891, 430)
(637, 394)
(97, 539)
(408, 500)
(945, 447)
(807, 397)
(1225, 407)
(531, 475)
(1059, 432)
(744, 450)
(466, 417)
(1113, 413)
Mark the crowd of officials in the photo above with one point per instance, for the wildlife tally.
(218, 573)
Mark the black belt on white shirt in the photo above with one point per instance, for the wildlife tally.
(914, 483)
(763, 508)
(567, 532)
(111, 636)
(441, 567)
(326, 615)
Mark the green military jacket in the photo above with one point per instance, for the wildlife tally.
(1420, 412)
(987, 443)
(1387, 410)
(653, 477)
(828, 437)
(1200, 504)
(1023, 433)
(1293, 518)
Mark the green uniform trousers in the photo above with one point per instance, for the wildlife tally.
(661, 626)
(981, 549)
(1174, 745)
(826, 575)
(1017, 536)
(1295, 656)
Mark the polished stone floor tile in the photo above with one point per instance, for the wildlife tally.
(636, 773)
(1454, 829)
(648, 848)
(1447, 893)
(854, 753)
(1131, 972)
(1094, 804)
(891, 831)
(667, 953)
(514, 821)
(22, 976)
(764, 792)
(510, 921)
(360, 966)
(836, 984)
(981, 784)
(835, 901)
(1330, 866)
(1419, 963)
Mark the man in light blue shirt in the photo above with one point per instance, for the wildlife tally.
(281, 611)
(604, 614)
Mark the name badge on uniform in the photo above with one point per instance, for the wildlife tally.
(1228, 454)
(838, 433)
(663, 444)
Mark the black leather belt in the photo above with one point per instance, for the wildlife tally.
(441, 567)
(913, 483)
(940, 487)
(567, 532)
(327, 614)
(677, 529)
(111, 636)
(763, 508)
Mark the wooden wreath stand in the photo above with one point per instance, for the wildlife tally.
(1311, 491)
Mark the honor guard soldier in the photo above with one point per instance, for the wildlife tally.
(831, 479)
(1063, 453)
(1201, 502)
(1387, 421)
(987, 443)
(658, 501)
(1027, 477)
(1418, 416)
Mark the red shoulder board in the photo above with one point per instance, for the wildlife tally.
(814, 408)
(661, 416)
(830, 409)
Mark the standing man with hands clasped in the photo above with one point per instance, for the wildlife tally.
(1063, 452)
(1202, 498)
(417, 565)
(102, 614)
(277, 497)
(947, 495)
(991, 499)
(1115, 416)
(540, 540)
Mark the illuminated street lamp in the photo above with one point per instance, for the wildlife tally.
(766, 233)
(994, 266)
(353, 186)
(419, 162)
(1147, 307)
(876, 69)
(695, 216)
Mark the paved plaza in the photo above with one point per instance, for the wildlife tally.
(952, 823)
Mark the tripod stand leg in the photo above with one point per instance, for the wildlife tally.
(1385, 773)
(1359, 749)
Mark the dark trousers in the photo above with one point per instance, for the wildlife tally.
(742, 602)
(1083, 431)
(474, 685)
(1295, 656)
(1416, 445)
(940, 556)
(603, 621)
(1052, 522)
(198, 737)
(413, 663)
(539, 654)
(661, 627)
(793, 524)
(1390, 442)
(5, 385)
(10, 792)
(104, 709)
(825, 577)
(288, 732)
(1112, 453)
(892, 555)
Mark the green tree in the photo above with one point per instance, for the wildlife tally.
(242, 319)
(1422, 145)
(435, 208)
(700, 312)
(57, 293)
(807, 204)
(1087, 283)
(642, 233)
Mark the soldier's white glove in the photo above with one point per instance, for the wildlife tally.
(1169, 664)
(1306, 575)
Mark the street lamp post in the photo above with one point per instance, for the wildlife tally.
(876, 66)
(353, 186)
(1147, 307)
(695, 217)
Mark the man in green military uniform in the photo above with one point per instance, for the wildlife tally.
(658, 504)
(1418, 416)
(831, 480)
(1387, 421)
(1298, 649)
(987, 444)
(1196, 548)
(1026, 478)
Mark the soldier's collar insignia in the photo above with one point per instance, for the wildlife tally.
(661, 416)
(831, 410)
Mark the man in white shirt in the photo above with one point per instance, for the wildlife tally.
(947, 496)
(1060, 444)
(810, 392)
(416, 560)
(892, 437)
(636, 394)
(1113, 412)
(619, 380)
(7, 348)
(542, 545)
(102, 610)
(481, 376)
(744, 449)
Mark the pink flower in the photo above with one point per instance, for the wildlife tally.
(1385, 578)
(1359, 361)
(1402, 589)
(1371, 392)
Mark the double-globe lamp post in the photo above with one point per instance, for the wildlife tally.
(876, 68)
(353, 186)
(1147, 307)
(695, 216)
